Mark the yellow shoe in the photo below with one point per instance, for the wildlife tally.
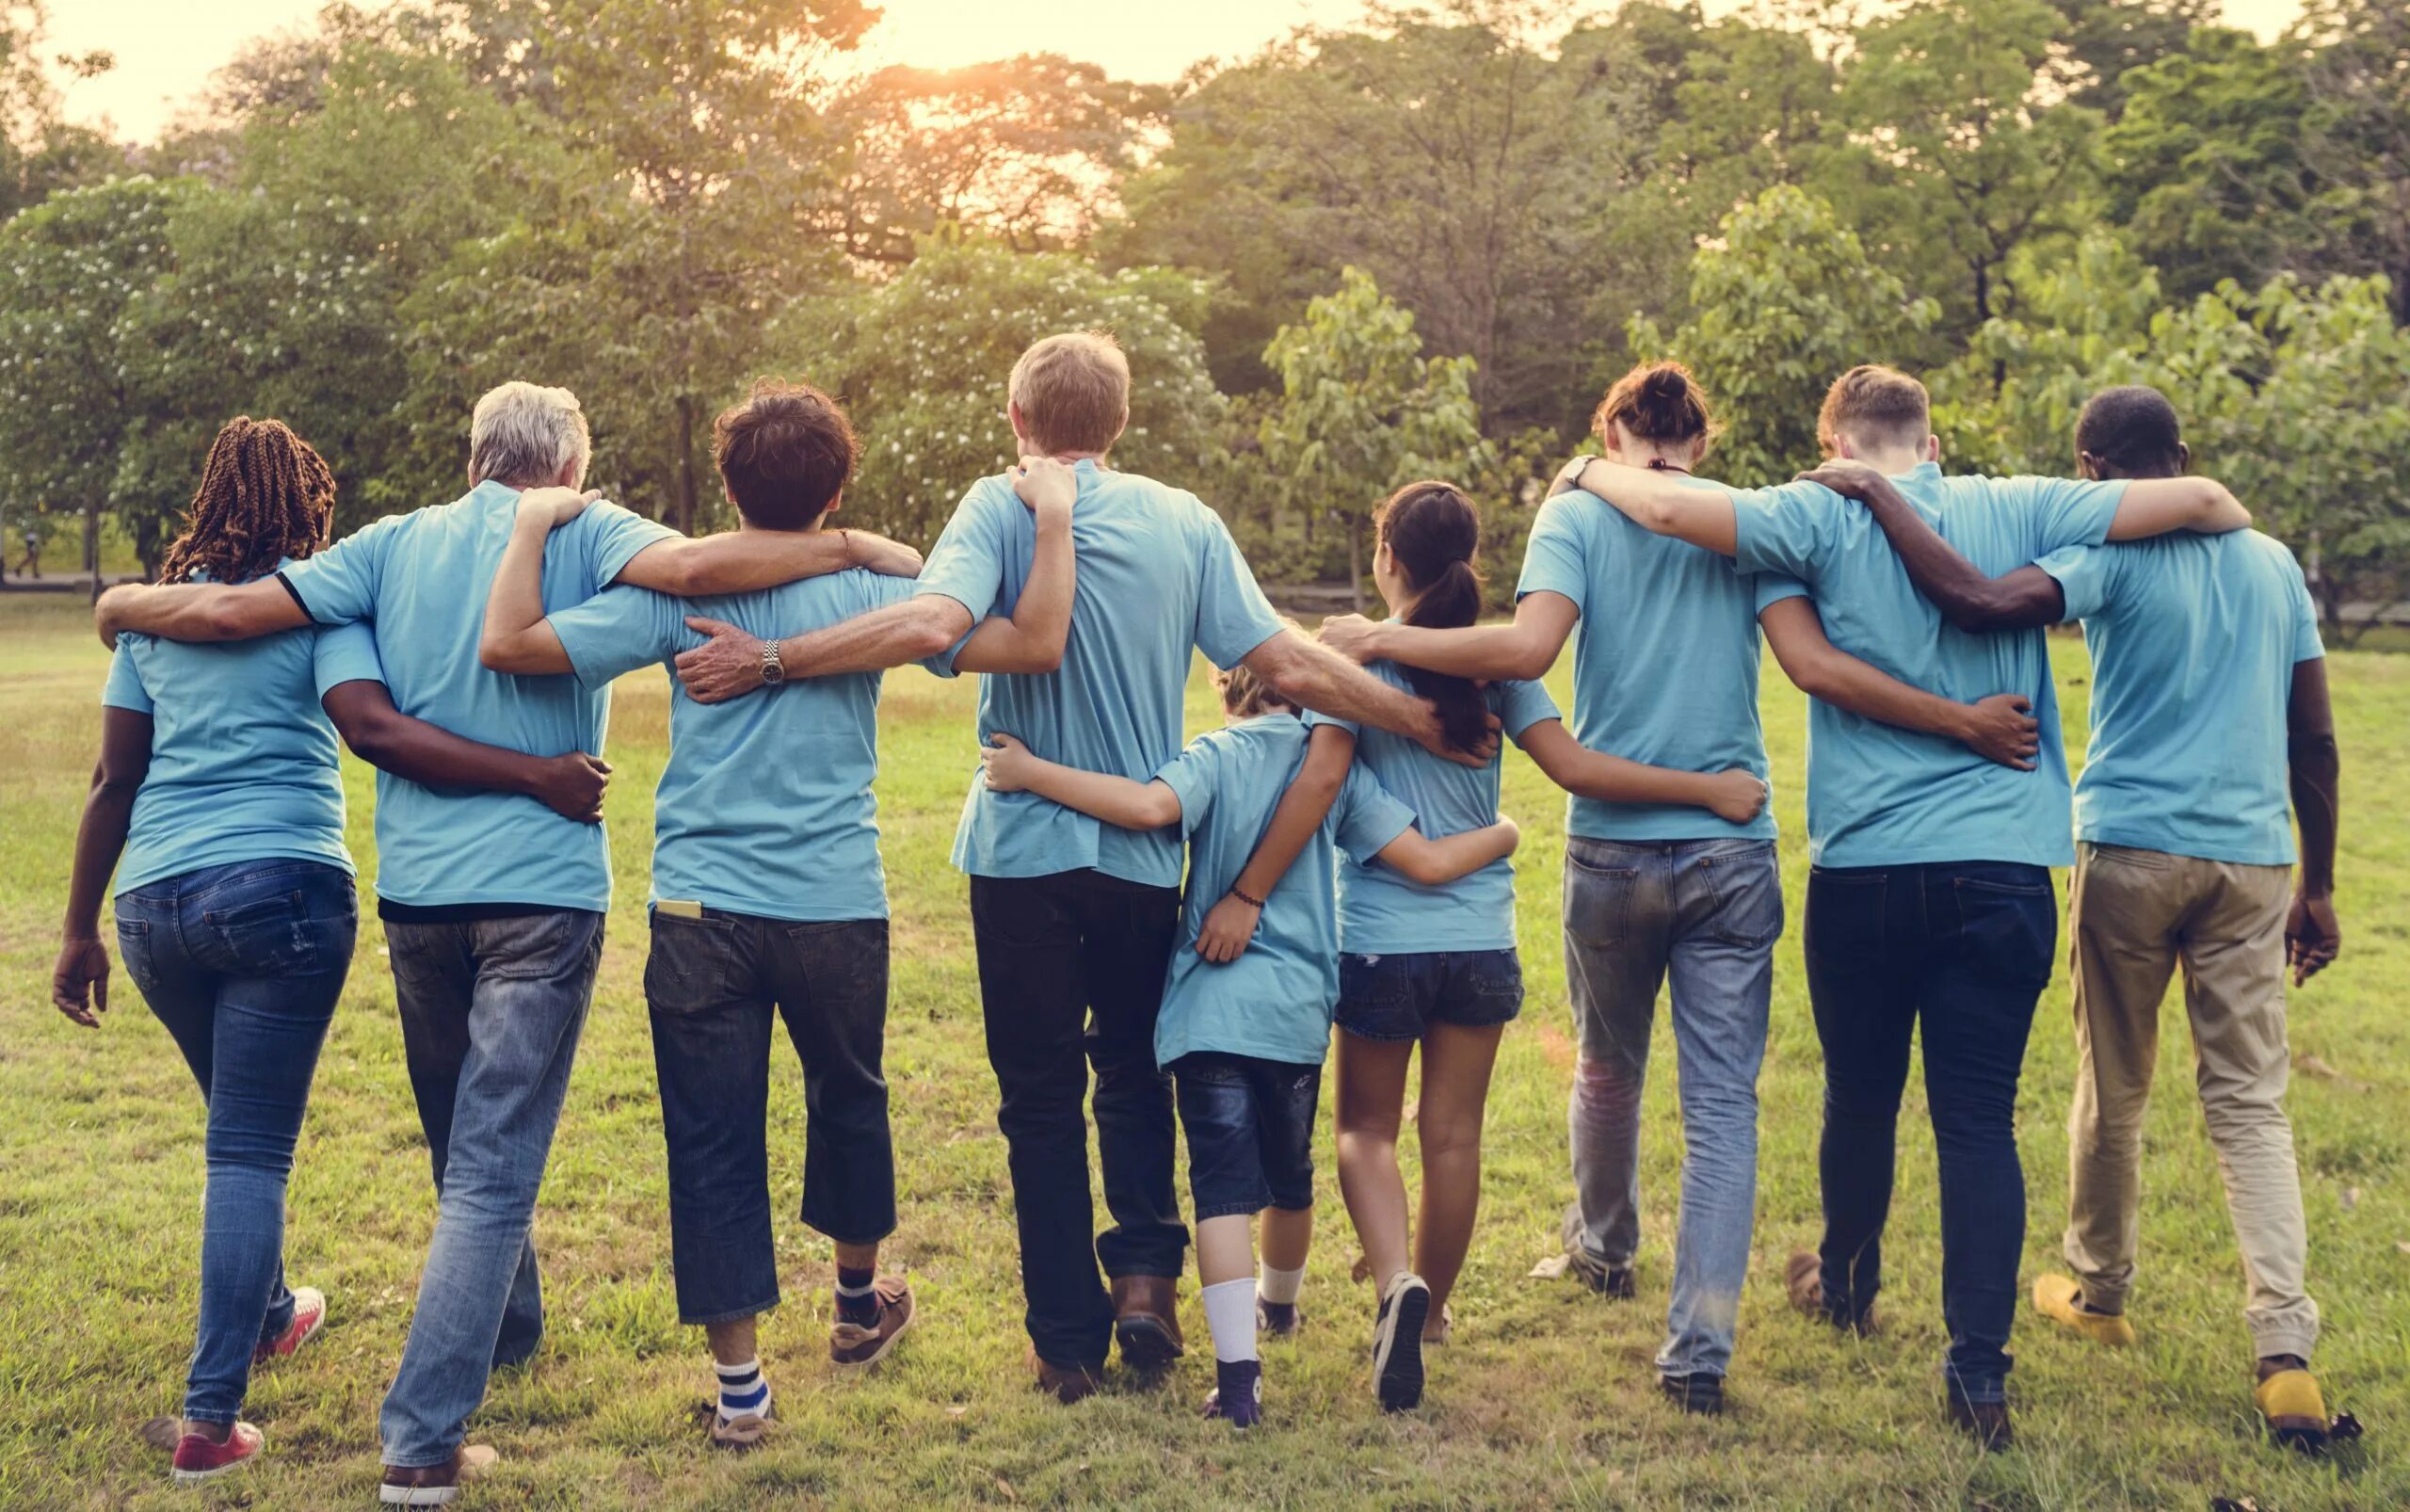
(2060, 1300)
(2295, 1410)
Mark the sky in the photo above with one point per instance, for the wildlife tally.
(167, 49)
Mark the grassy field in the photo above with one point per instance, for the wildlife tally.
(1544, 1396)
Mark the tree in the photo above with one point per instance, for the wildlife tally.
(1788, 302)
(1361, 413)
(2105, 39)
(921, 362)
(40, 152)
(2356, 55)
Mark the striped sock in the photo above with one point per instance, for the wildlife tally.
(857, 1295)
(744, 1392)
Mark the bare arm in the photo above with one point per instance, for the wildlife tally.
(570, 784)
(730, 663)
(193, 612)
(2156, 505)
(82, 970)
(517, 637)
(1654, 502)
(1431, 862)
(1524, 649)
(1009, 767)
(1736, 795)
(2312, 936)
(748, 560)
(1032, 639)
(1310, 677)
(1230, 925)
(1965, 597)
(2000, 728)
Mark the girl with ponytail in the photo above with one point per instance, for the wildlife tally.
(1428, 966)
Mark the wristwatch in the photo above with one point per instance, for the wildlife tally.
(1572, 470)
(773, 672)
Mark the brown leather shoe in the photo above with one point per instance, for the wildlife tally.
(858, 1347)
(1146, 1321)
(1066, 1384)
(1804, 1281)
(1987, 1423)
(434, 1484)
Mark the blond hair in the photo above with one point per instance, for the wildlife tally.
(1072, 391)
(1875, 405)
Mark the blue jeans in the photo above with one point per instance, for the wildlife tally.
(1705, 912)
(1250, 1125)
(715, 986)
(1963, 951)
(490, 1013)
(243, 964)
(1396, 999)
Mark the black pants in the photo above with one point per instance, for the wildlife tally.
(715, 985)
(1071, 975)
(1962, 952)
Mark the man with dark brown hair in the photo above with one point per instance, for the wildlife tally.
(768, 899)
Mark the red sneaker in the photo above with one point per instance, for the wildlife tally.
(309, 1316)
(199, 1457)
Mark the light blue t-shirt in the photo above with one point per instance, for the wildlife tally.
(1879, 796)
(1664, 661)
(1275, 1001)
(2193, 641)
(1158, 576)
(423, 578)
(1383, 913)
(244, 762)
(765, 806)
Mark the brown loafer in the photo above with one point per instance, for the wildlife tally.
(1146, 1321)
(1066, 1384)
(434, 1484)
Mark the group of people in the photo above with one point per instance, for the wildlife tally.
(1344, 862)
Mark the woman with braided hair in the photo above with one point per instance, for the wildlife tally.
(217, 803)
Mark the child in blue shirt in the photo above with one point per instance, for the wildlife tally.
(1244, 1042)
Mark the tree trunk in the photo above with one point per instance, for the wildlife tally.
(1356, 561)
(682, 465)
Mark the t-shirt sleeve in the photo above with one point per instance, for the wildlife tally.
(1784, 529)
(875, 590)
(345, 654)
(124, 689)
(1773, 588)
(1193, 776)
(967, 564)
(2086, 576)
(1312, 718)
(619, 629)
(339, 585)
(1520, 705)
(2064, 511)
(2309, 646)
(615, 535)
(1556, 559)
(1367, 816)
(1232, 615)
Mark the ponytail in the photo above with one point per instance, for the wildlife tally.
(1433, 530)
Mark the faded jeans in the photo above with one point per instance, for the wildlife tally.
(1706, 913)
(243, 964)
(490, 1013)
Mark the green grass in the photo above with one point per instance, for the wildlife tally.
(1544, 1397)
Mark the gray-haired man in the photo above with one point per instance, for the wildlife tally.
(492, 903)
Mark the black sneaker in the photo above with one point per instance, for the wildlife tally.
(1237, 1397)
(1397, 1344)
(1701, 1393)
(1612, 1281)
(1278, 1319)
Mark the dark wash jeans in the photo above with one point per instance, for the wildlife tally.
(490, 1011)
(1964, 950)
(1071, 972)
(715, 985)
(243, 964)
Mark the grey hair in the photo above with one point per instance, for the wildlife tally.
(522, 434)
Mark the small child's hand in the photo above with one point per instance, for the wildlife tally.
(1006, 764)
(1230, 925)
(1739, 796)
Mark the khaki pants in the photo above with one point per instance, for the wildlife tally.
(2134, 914)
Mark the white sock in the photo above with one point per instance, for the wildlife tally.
(1279, 1285)
(1229, 1312)
(743, 1390)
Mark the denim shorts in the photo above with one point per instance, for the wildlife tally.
(1398, 998)
(1250, 1127)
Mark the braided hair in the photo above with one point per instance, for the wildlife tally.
(265, 495)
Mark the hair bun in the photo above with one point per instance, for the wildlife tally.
(1666, 381)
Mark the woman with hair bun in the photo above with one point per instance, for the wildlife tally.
(1665, 674)
(1432, 967)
